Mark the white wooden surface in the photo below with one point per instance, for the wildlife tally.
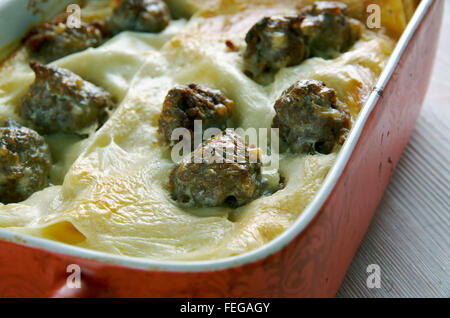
(409, 237)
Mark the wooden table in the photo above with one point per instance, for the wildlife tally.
(409, 237)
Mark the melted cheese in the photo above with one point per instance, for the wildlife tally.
(110, 190)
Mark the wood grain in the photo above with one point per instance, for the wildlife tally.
(409, 237)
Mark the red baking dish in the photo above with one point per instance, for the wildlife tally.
(308, 260)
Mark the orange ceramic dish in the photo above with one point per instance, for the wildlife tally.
(307, 260)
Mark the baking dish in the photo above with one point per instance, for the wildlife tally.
(308, 260)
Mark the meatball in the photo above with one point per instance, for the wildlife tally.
(272, 44)
(185, 104)
(322, 30)
(61, 101)
(310, 117)
(139, 15)
(221, 171)
(327, 30)
(53, 40)
(24, 162)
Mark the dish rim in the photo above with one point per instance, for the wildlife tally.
(277, 244)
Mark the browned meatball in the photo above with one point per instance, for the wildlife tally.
(235, 181)
(322, 30)
(310, 118)
(272, 44)
(327, 29)
(185, 104)
(61, 101)
(139, 15)
(53, 40)
(24, 162)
